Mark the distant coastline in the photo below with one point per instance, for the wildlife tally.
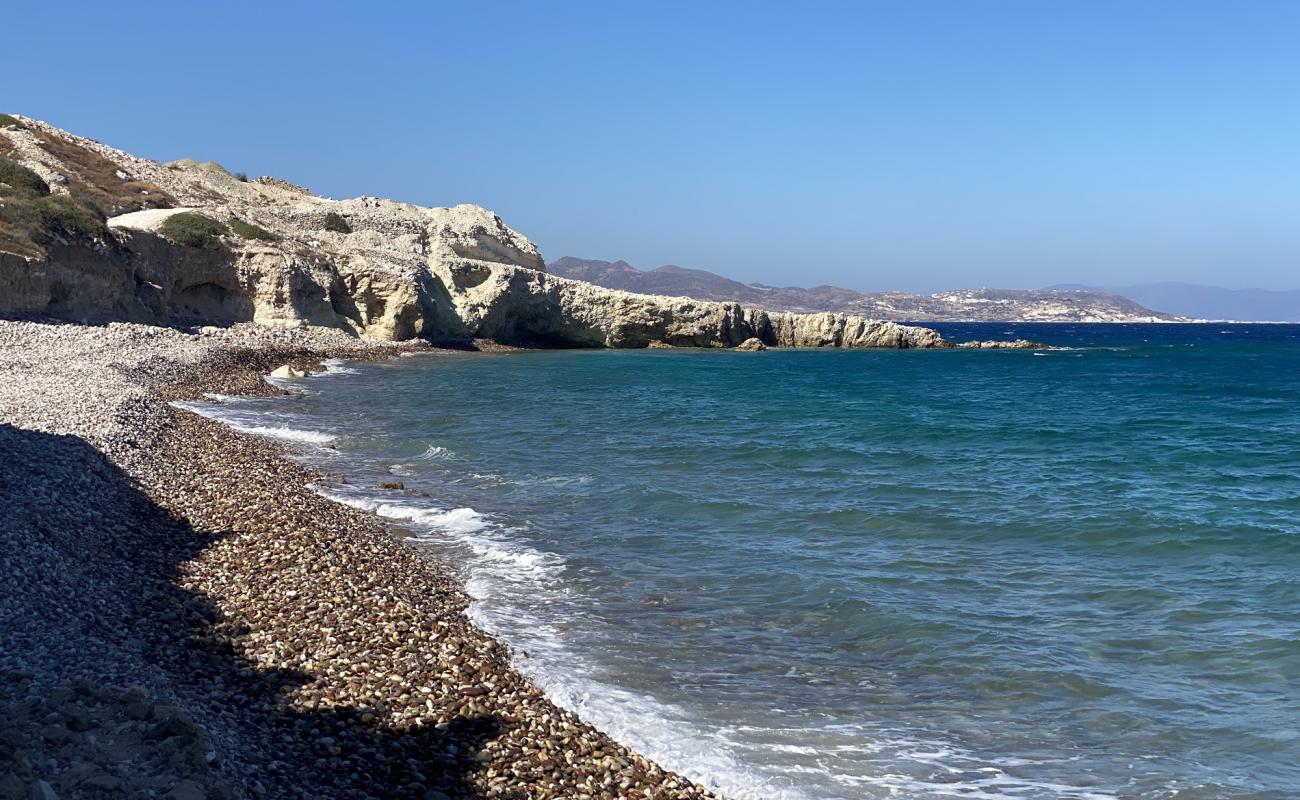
(1211, 303)
(961, 305)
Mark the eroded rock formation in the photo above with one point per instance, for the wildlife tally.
(376, 268)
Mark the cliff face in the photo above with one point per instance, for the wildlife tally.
(519, 305)
(373, 267)
(140, 278)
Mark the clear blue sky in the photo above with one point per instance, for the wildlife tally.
(907, 145)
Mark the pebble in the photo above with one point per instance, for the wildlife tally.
(226, 626)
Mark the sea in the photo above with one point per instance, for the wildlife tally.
(828, 575)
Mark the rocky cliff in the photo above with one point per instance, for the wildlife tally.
(89, 232)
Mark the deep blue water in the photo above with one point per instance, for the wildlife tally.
(826, 574)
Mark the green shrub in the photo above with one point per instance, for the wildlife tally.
(193, 230)
(31, 217)
(250, 231)
(21, 178)
(41, 219)
(336, 223)
(8, 121)
(60, 215)
(242, 177)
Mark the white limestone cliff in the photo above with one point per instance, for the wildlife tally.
(403, 271)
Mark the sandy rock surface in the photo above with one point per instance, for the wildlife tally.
(148, 220)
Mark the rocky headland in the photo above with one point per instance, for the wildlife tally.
(92, 233)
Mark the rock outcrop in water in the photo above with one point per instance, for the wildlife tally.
(993, 344)
(376, 268)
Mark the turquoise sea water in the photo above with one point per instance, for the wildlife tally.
(823, 574)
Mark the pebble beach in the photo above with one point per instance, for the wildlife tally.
(183, 617)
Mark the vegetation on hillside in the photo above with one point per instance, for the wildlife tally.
(336, 223)
(21, 178)
(62, 217)
(7, 121)
(250, 231)
(31, 218)
(94, 180)
(192, 229)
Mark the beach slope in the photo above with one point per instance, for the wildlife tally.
(182, 616)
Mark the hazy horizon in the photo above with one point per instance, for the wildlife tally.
(921, 147)
(1098, 286)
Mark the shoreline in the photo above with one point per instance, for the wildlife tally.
(314, 652)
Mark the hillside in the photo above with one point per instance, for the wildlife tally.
(92, 233)
(964, 305)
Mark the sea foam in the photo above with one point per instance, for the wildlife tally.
(256, 423)
(456, 520)
(336, 366)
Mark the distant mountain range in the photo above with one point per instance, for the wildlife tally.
(1207, 302)
(962, 305)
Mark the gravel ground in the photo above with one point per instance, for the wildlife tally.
(181, 617)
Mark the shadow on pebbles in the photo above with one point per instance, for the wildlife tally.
(180, 617)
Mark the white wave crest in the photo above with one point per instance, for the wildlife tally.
(288, 434)
(336, 366)
(456, 520)
(244, 422)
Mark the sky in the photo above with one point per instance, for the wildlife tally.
(915, 145)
